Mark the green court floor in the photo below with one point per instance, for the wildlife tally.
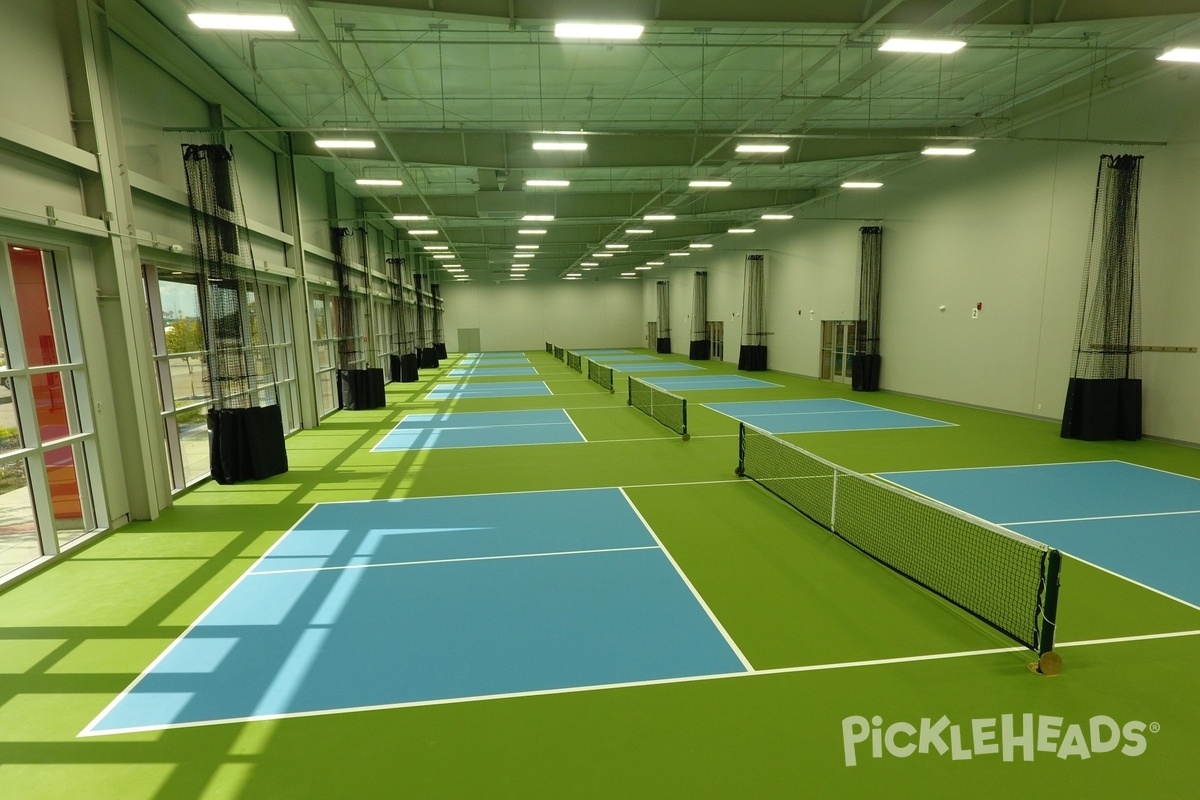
(864, 684)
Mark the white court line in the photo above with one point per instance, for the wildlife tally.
(635, 684)
(507, 557)
(1003, 466)
(712, 617)
(1106, 516)
(567, 414)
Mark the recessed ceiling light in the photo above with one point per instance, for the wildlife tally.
(861, 185)
(659, 217)
(947, 151)
(1187, 54)
(528, 246)
(531, 231)
(679, 255)
(616, 246)
(345, 144)
(776, 216)
(560, 145)
(424, 233)
(639, 230)
(410, 218)
(538, 218)
(379, 182)
(898, 45)
(762, 148)
(741, 230)
(242, 22)
(709, 184)
(699, 245)
(597, 30)
(541, 182)
(654, 263)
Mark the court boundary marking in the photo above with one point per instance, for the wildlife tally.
(940, 423)
(427, 562)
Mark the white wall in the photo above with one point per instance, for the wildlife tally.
(516, 315)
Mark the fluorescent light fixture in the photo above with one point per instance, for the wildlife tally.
(242, 22)
(531, 231)
(345, 144)
(947, 151)
(528, 246)
(410, 218)
(641, 268)
(541, 182)
(616, 247)
(628, 274)
(424, 233)
(444, 256)
(589, 264)
(654, 263)
(538, 218)
(575, 145)
(707, 184)
(602, 255)
(741, 230)
(436, 247)
(585, 269)
(639, 230)
(679, 255)
(379, 182)
(1190, 55)
(898, 45)
(861, 184)
(519, 268)
(574, 275)
(763, 148)
(453, 267)
(776, 216)
(659, 217)
(524, 255)
(598, 30)
(699, 245)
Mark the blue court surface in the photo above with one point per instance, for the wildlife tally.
(498, 354)
(386, 603)
(661, 366)
(709, 382)
(513, 361)
(1137, 522)
(484, 372)
(820, 415)
(466, 391)
(613, 358)
(480, 429)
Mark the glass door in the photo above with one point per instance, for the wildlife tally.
(837, 350)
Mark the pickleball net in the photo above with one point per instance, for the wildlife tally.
(669, 409)
(1008, 581)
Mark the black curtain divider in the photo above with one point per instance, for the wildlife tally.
(245, 423)
(1104, 393)
(361, 389)
(427, 356)
(663, 345)
(865, 363)
(753, 353)
(439, 335)
(356, 385)
(700, 348)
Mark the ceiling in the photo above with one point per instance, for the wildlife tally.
(455, 92)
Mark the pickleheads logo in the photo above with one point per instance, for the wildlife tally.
(1005, 736)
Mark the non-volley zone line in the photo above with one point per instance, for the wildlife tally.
(466, 391)
(820, 415)
(289, 639)
(480, 429)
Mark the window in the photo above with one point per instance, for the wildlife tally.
(325, 350)
(48, 468)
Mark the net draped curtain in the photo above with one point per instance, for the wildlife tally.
(1104, 394)
(403, 363)
(753, 353)
(360, 386)
(663, 345)
(865, 372)
(699, 349)
(245, 422)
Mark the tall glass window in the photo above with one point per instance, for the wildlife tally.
(48, 477)
(325, 350)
